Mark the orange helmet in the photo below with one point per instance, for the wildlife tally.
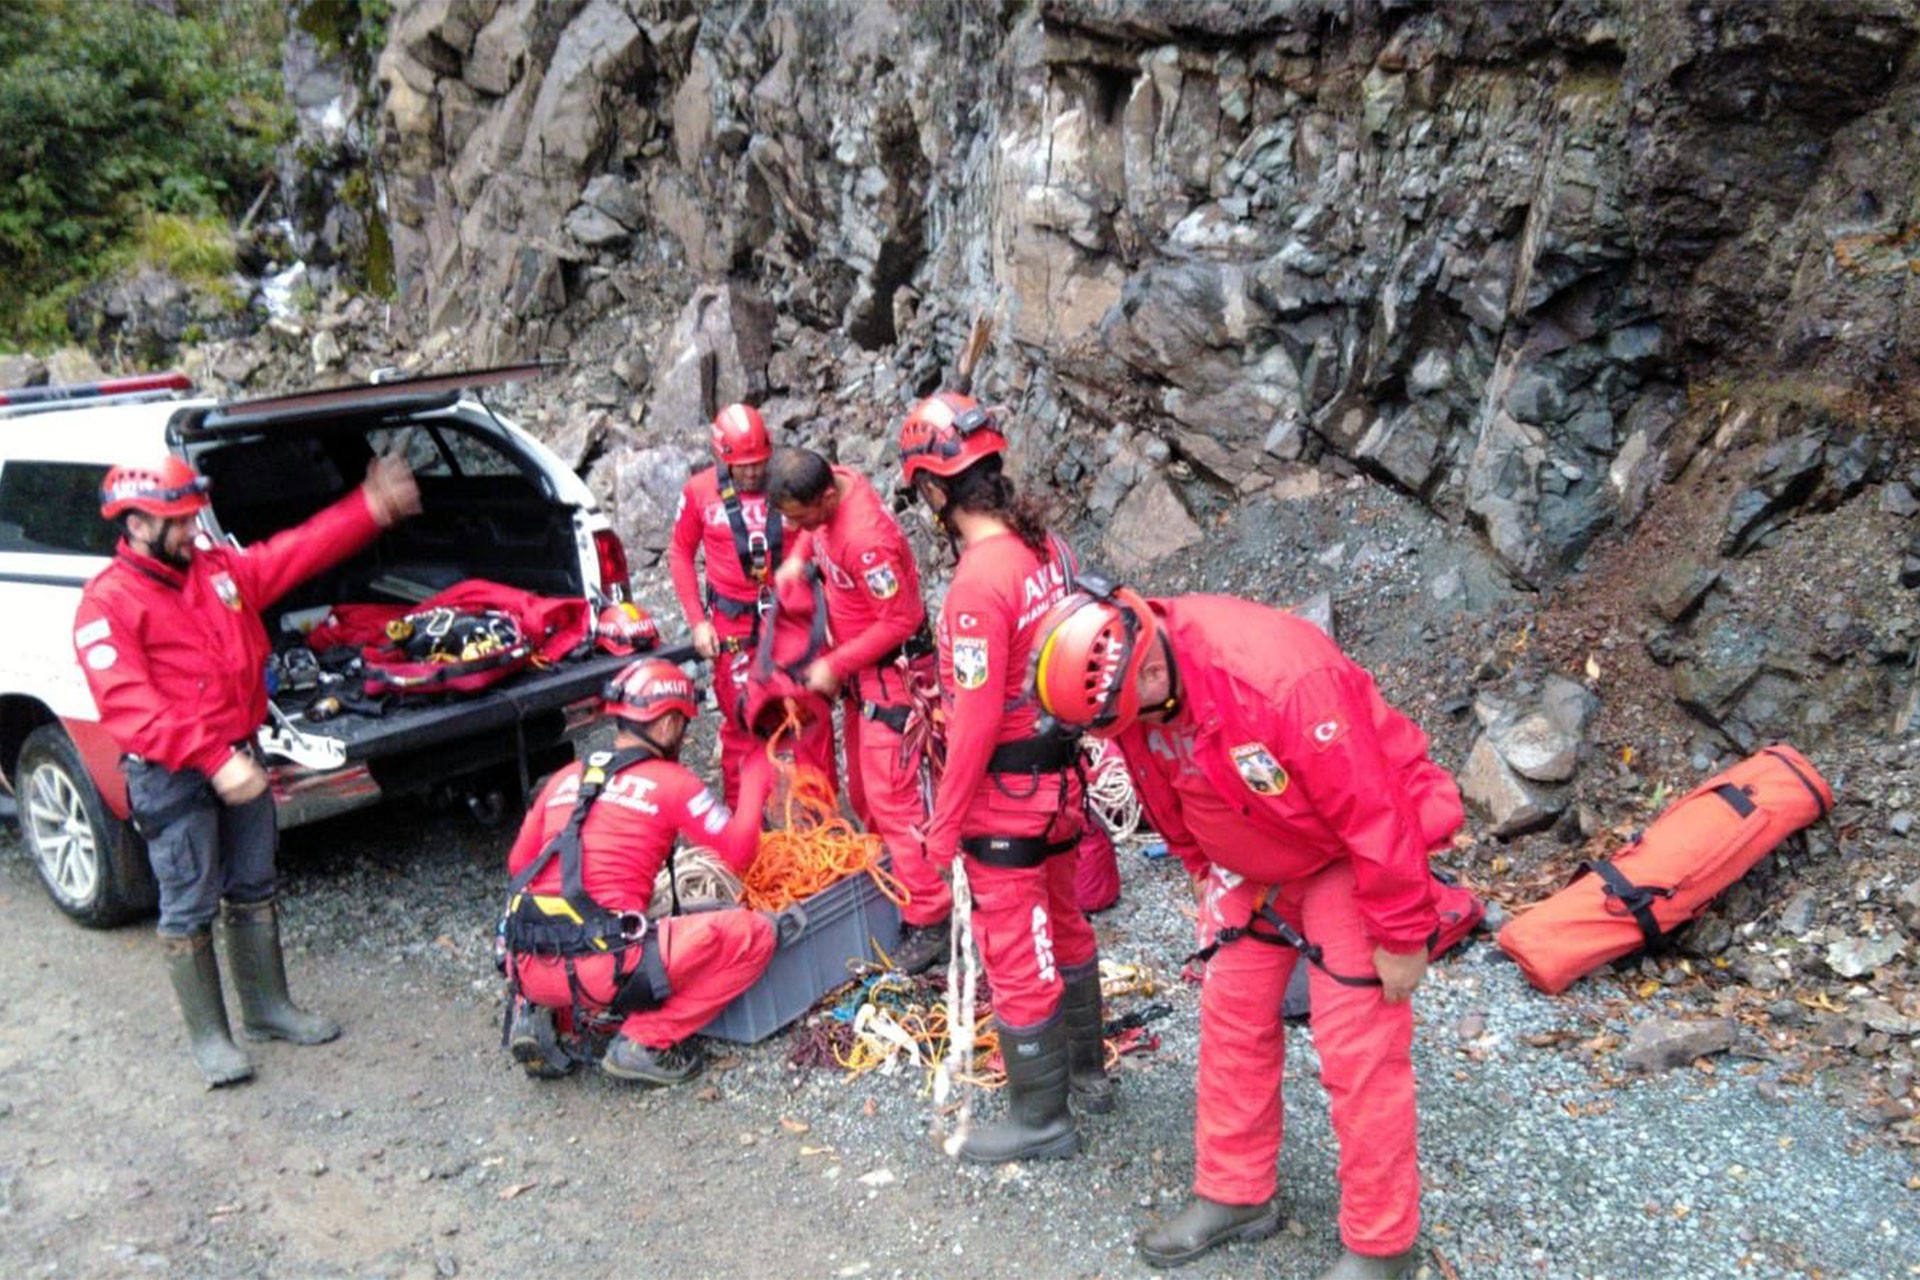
(1092, 645)
(625, 629)
(170, 489)
(740, 436)
(945, 434)
(648, 689)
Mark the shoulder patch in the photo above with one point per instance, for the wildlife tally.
(102, 656)
(881, 583)
(1258, 769)
(1326, 731)
(228, 591)
(95, 631)
(970, 661)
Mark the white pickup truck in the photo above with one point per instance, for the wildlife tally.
(499, 505)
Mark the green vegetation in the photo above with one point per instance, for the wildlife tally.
(128, 134)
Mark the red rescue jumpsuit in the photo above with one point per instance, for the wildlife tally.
(879, 626)
(703, 525)
(710, 956)
(1285, 773)
(1026, 918)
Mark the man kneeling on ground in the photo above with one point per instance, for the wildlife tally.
(579, 943)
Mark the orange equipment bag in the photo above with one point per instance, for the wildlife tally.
(1670, 872)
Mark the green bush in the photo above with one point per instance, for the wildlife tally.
(123, 128)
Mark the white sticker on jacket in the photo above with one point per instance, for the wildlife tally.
(102, 656)
(94, 632)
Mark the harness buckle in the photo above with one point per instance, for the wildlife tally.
(757, 553)
(633, 925)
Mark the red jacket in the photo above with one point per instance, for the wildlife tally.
(987, 622)
(872, 586)
(1294, 734)
(177, 659)
(634, 824)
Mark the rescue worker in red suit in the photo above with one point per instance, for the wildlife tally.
(880, 641)
(1010, 798)
(170, 637)
(1298, 800)
(680, 970)
(724, 517)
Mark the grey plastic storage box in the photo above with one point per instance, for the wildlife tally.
(844, 922)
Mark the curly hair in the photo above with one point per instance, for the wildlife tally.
(984, 489)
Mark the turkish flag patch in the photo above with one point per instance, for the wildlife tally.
(1326, 731)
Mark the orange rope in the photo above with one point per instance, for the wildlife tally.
(814, 847)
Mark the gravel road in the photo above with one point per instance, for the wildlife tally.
(412, 1147)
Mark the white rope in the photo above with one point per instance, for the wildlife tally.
(1110, 789)
(961, 996)
(701, 876)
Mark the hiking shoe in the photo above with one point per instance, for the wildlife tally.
(1204, 1224)
(628, 1059)
(922, 946)
(535, 1043)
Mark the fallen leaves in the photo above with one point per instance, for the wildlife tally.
(517, 1189)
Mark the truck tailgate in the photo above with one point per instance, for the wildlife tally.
(412, 726)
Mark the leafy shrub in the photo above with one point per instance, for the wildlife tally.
(124, 128)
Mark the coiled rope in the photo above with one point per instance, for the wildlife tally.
(814, 847)
(1110, 789)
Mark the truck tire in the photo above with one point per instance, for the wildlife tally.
(92, 864)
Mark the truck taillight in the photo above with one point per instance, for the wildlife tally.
(612, 556)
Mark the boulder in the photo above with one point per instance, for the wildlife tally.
(1856, 957)
(1661, 1044)
(716, 353)
(21, 371)
(1150, 523)
(1514, 805)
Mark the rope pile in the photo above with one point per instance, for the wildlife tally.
(701, 878)
(814, 847)
(1110, 790)
(888, 1022)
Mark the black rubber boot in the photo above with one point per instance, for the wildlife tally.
(195, 973)
(534, 1041)
(923, 946)
(628, 1059)
(1202, 1225)
(1038, 1125)
(1365, 1266)
(260, 978)
(1089, 1086)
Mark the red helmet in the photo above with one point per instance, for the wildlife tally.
(1092, 645)
(945, 434)
(167, 490)
(648, 689)
(625, 629)
(740, 436)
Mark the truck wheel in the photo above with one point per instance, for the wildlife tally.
(92, 863)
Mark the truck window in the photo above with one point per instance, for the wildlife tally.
(54, 507)
(442, 449)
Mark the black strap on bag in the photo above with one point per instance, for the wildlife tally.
(1638, 899)
(1635, 898)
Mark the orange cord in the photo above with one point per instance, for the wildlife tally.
(814, 847)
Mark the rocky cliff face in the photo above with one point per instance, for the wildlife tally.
(1480, 250)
